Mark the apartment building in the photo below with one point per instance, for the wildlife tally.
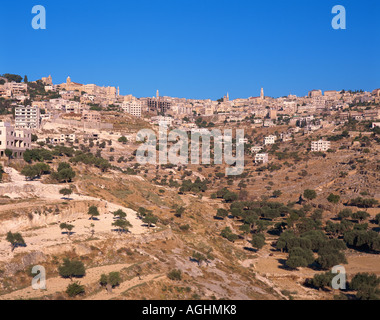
(62, 138)
(320, 145)
(158, 104)
(73, 107)
(268, 123)
(372, 114)
(91, 116)
(16, 140)
(261, 158)
(256, 149)
(270, 140)
(132, 107)
(286, 136)
(27, 117)
(315, 93)
(161, 120)
(16, 88)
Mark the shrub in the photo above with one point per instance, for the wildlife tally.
(74, 289)
(175, 275)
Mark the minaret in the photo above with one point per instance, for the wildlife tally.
(228, 97)
(157, 94)
(118, 91)
(262, 94)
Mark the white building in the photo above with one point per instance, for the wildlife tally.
(16, 140)
(27, 117)
(256, 149)
(270, 140)
(16, 88)
(261, 158)
(268, 123)
(286, 137)
(132, 107)
(51, 87)
(62, 138)
(73, 107)
(320, 145)
(161, 120)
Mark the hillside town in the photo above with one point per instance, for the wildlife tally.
(41, 104)
(74, 196)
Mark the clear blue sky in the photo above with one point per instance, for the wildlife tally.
(196, 48)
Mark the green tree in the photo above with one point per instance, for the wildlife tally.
(221, 213)
(245, 228)
(29, 172)
(258, 241)
(309, 194)
(66, 175)
(199, 257)
(15, 239)
(333, 198)
(229, 235)
(93, 212)
(103, 280)
(66, 192)
(179, 212)
(366, 286)
(123, 140)
(68, 227)
(8, 153)
(299, 257)
(150, 219)
(122, 225)
(329, 257)
(119, 214)
(71, 269)
(114, 279)
(360, 216)
(321, 280)
(344, 214)
(41, 168)
(12, 77)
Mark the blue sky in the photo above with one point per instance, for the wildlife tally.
(196, 48)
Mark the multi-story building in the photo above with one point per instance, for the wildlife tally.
(256, 149)
(16, 88)
(47, 81)
(27, 117)
(158, 104)
(261, 158)
(161, 120)
(132, 107)
(372, 114)
(315, 93)
(91, 116)
(73, 107)
(16, 140)
(62, 138)
(320, 145)
(270, 140)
